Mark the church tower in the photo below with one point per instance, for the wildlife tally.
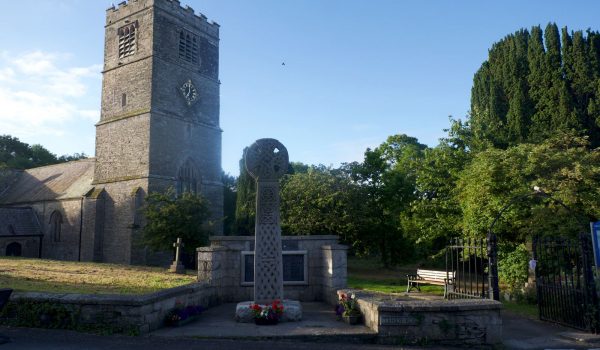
(159, 124)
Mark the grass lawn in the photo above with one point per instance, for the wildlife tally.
(368, 274)
(41, 275)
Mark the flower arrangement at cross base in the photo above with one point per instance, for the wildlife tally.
(181, 315)
(267, 314)
(347, 308)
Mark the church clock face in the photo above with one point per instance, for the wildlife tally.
(189, 92)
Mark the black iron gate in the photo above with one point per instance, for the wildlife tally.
(471, 267)
(566, 290)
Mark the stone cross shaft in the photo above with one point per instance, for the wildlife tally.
(267, 162)
(178, 245)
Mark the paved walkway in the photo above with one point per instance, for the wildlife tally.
(217, 330)
(524, 333)
(318, 323)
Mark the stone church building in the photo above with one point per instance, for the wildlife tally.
(159, 128)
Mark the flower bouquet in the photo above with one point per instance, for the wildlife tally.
(181, 315)
(347, 308)
(267, 314)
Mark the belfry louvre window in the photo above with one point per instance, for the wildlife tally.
(127, 42)
(188, 46)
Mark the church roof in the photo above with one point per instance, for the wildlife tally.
(18, 222)
(52, 182)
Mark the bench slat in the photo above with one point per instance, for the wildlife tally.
(441, 278)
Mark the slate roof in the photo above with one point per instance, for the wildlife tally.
(18, 222)
(52, 182)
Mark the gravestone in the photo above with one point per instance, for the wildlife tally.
(267, 162)
(177, 266)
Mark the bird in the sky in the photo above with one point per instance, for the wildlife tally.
(283, 63)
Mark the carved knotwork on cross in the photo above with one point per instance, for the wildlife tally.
(267, 162)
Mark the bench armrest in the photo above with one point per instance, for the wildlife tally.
(414, 277)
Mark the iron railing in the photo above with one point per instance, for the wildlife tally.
(566, 291)
(473, 262)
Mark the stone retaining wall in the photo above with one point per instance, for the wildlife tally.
(407, 320)
(142, 313)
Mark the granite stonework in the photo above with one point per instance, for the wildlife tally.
(141, 313)
(267, 161)
(147, 131)
(220, 264)
(149, 138)
(408, 320)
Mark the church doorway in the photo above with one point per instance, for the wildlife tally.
(13, 249)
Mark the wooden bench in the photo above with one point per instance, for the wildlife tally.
(440, 278)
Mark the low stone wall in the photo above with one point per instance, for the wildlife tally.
(407, 320)
(138, 313)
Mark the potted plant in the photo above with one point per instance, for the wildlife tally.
(180, 315)
(267, 314)
(348, 308)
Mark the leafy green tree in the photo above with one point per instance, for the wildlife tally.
(41, 156)
(563, 166)
(72, 157)
(529, 90)
(323, 201)
(298, 167)
(169, 217)
(245, 208)
(387, 175)
(436, 215)
(19, 155)
(14, 153)
(229, 200)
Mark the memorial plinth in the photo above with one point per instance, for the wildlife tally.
(267, 161)
(292, 311)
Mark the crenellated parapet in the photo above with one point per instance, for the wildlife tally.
(187, 13)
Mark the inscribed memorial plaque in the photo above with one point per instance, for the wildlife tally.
(294, 267)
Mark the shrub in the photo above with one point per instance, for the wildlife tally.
(513, 266)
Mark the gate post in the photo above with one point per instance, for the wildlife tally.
(492, 252)
(592, 319)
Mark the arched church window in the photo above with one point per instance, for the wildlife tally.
(11, 230)
(188, 179)
(56, 225)
(127, 42)
(13, 249)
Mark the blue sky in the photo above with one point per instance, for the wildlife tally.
(356, 71)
